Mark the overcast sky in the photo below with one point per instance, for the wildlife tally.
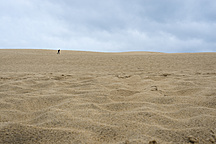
(109, 25)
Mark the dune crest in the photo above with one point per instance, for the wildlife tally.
(89, 97)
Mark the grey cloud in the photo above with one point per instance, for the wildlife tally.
(109, 25)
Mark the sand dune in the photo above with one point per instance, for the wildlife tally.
(89, 97)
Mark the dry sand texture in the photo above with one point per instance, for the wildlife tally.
(87, 97)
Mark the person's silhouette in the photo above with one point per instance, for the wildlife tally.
(58, 51)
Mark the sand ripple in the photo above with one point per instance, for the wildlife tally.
(105, 105)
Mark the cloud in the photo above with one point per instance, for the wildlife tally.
(111, 25)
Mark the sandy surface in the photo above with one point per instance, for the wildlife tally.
(86, 97)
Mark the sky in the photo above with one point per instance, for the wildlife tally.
(171, 26)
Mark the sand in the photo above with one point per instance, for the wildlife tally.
(124, 98)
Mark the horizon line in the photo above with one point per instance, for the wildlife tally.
(103, 51)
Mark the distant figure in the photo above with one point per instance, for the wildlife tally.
(58, 51)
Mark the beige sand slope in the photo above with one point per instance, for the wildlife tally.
(86, 97)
